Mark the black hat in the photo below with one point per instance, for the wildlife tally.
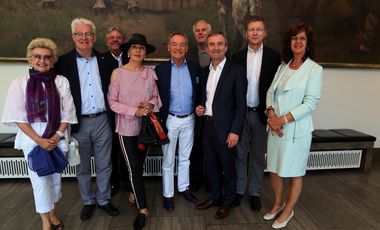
(137, 39)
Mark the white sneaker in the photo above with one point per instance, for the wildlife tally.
(278, 225)
(271, 216)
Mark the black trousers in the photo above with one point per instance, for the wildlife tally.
(136, 160)
(119, 168)
(197, 173)
(220, 165)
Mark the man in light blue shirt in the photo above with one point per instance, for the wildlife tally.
(88, 76)
(177, 84)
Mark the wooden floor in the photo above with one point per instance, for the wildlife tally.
(334, 199)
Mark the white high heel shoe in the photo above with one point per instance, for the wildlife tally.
(278, 225)
(271, 216)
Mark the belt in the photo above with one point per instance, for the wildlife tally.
(181, 116)
(253, 109)
(209, 118)
(92, 115)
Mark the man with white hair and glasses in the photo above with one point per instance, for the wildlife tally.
(88, 76)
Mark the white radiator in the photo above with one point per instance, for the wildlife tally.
(334, 159)
(16, 167)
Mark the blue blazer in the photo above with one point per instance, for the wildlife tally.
(163, 72)
(300, 97)
(230, 104)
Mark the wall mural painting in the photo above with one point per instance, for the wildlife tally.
(347, 30)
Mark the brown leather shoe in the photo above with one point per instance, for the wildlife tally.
(223, 212)
(207, 204)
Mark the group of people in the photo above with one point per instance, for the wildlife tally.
(221, 119)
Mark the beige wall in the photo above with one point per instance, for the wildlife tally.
(350, 98)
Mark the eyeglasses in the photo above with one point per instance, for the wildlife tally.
(86, 34)
(43, 57)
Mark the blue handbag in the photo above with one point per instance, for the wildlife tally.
(59, 160)
(46, 163)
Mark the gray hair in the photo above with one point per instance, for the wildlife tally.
(80, 21)
(114, 28)
(180, 34)
(202, 22)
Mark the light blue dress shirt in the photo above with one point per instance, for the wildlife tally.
(181, 90)
(90, 85)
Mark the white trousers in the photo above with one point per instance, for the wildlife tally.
(46, 189)
(181, 129)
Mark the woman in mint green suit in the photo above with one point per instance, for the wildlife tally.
(291, 99)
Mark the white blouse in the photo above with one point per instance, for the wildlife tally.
(14, 111)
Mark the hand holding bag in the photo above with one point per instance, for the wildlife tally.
(39, 161)
(152, 132)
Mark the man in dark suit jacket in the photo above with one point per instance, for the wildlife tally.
(223, 103)
(177, 84)
(89, 78)
(115, 58)
(260, 65)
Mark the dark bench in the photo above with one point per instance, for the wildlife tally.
(345, 139)
(7, 146)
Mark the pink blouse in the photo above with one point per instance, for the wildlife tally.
(125, 94)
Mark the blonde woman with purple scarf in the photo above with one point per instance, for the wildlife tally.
(41, 106)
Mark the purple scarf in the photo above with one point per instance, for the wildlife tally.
(40, 101)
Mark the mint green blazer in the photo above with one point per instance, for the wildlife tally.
(300, 97)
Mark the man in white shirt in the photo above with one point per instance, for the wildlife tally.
(260, 64)
(223, 105)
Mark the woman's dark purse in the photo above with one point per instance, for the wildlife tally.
(152, 132)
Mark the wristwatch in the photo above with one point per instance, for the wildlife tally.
(59, 133)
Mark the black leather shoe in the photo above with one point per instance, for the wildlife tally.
(139, 221)
(207, 204)
(169, 204)
(189, 196)
(109, 209)
(87, 212)
(255, 203)
(237, 200)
